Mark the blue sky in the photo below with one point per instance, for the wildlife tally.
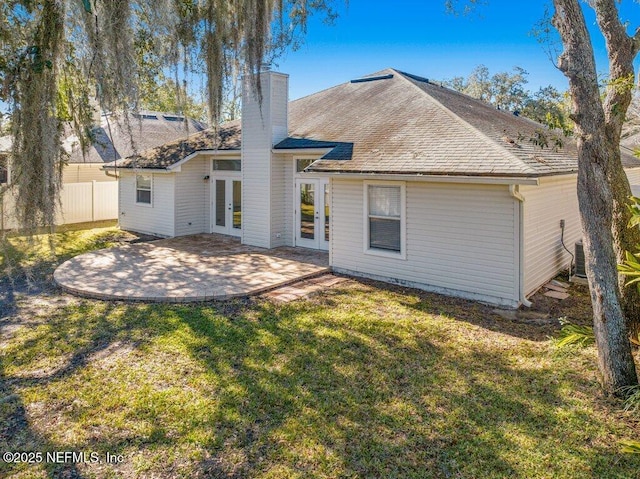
(418, 36)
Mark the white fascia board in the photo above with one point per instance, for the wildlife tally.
(487, 180)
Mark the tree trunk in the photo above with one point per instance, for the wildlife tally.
(600, 186)
(595, 196)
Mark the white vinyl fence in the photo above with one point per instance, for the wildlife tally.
(81, 202)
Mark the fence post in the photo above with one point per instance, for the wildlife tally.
(93, 200)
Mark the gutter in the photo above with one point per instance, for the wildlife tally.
(514, 191)
(491, 180)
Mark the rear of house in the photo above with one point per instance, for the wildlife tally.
(89, 193)
(397, 178)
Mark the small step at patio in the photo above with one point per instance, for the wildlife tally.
(303, 289)
(193, 268)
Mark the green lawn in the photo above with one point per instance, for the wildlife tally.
(39, 254)
(360, 381)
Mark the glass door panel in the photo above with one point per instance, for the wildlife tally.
(312, 213)
(307, 211)
(226, 206)
(221, 211)
(237, 205)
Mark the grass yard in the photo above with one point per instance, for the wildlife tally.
(361, 381)
(35, 258)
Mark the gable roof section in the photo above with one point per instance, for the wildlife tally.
(145, 130)
(227, 137)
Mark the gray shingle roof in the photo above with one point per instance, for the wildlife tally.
(407, 125)
(228, 138)
(117, 139)
(392, 122)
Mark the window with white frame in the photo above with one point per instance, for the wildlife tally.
(143, 189)
(384, 218)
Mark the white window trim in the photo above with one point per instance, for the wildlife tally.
(402, 254)
(135, 190)
(299, 174)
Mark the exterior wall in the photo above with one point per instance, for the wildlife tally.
(460, 240)
(290, 198)
(192, 197)
(554, 199)
(280, 197)
(634, 180)
(263, 125)
(157, 219)
(81, 172)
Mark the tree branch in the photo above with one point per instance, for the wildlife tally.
(577, 62)
(621, 50)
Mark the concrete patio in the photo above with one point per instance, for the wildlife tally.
(190, 268)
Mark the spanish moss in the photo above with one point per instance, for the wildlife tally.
(64, 62)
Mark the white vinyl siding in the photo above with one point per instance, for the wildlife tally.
(157, 219)
(460, 240)
(289, 203)
(279, 104)
(554, 199)
(192, 197)
(634, 179)
(279, 196)
(256, 197)
(263, 125)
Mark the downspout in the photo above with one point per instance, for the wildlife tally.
(514, 191)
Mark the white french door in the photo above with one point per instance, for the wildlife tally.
(312, 213)
(226, 205)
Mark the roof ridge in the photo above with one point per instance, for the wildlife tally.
(486, 139)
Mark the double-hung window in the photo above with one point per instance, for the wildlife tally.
(384, 219)
(143, 189)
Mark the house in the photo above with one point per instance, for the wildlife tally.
(89, 192)
(400, 180)
(114, 138)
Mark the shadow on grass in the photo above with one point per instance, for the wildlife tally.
(16, 431)
(471, 312)
(355, 384)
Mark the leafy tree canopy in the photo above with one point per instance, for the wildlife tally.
(59, 59)
(507, 91)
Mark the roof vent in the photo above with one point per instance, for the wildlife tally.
(416, 77)
(366, 79)
(173, 118)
